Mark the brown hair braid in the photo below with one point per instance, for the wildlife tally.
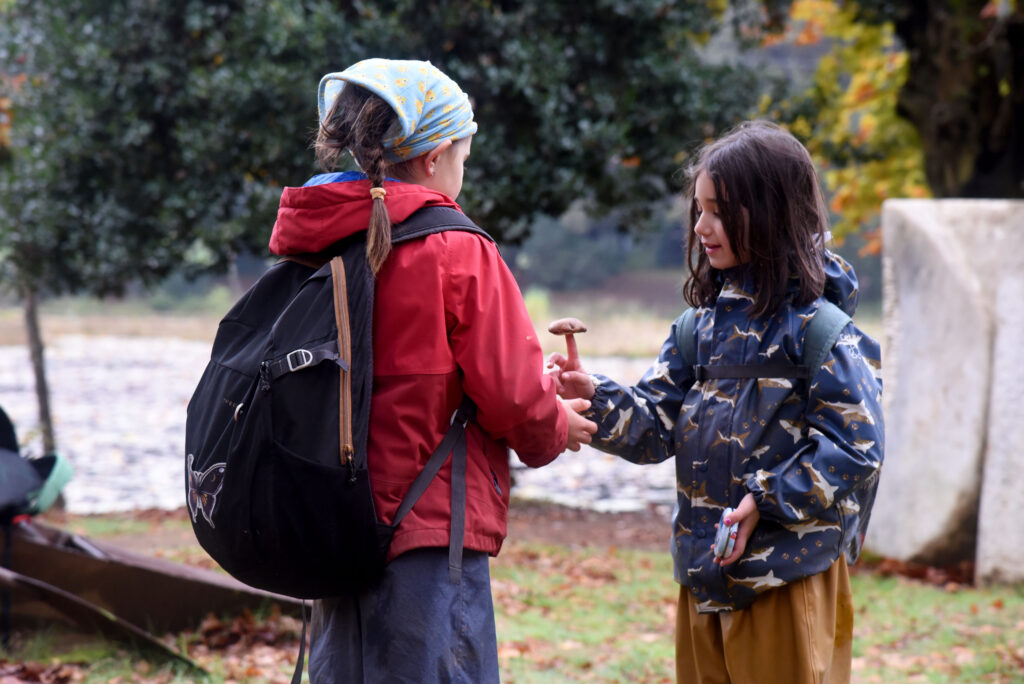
(359, 121)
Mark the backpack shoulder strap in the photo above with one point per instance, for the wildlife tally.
(429, 220)
(686, 341)
(312, 261)
(822, 333)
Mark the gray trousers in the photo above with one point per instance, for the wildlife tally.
(415, 627)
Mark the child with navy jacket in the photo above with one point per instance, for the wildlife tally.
(796, 458)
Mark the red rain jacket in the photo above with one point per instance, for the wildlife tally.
(448, 319)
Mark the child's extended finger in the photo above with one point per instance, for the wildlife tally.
(579, 377)
(556, 359)
(559, 387)
(578, 405)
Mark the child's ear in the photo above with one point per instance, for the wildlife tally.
(430, 158)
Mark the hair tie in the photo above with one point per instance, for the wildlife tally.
(378, 193)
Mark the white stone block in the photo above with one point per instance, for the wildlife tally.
(1000, 554)
(943, 262)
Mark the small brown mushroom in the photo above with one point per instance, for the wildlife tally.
(567, 327)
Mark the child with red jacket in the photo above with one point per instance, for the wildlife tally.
(448, 322)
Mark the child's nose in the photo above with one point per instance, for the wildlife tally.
(699, 227)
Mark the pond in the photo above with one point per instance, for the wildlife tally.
(118, 405)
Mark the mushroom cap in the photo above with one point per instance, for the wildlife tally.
(567, 326)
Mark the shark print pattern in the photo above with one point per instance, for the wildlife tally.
(808, 450)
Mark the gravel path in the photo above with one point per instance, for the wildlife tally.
(119, 408)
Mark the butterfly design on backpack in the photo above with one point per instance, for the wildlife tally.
(203, 489)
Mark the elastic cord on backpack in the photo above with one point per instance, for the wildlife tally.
(5, 595)
(297, 675)
(454, 444)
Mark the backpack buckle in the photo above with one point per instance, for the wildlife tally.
(459, 416)
(299, 359)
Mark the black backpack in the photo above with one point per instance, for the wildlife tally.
(275, 438)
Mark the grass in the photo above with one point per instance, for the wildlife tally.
(64, 656)
(628, 316)
(593, 613)
(122, 319)
(607, 615)
(191, 316)
(937, 634)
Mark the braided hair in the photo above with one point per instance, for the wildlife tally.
(359, 121)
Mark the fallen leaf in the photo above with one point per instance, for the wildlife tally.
(963, 655)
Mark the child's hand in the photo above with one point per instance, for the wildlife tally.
(580, 429)
(747, 515)
(573, 382)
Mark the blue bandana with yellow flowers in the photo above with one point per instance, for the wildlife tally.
(430, 106)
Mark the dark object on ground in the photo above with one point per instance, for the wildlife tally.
(68, 607)
(145, 591)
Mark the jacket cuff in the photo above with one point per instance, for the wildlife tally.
(758, 493)
(602, 394)
(544, 452)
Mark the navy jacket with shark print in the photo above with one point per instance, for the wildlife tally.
(802, 451)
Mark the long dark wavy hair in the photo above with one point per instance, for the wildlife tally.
(772, 209)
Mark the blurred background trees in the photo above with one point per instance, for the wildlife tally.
(143, 139)
(911, 100)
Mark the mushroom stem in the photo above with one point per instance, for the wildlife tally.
(572, 352)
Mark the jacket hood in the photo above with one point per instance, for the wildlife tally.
(331, 207)
(840, 283)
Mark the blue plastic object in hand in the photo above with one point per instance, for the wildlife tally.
(725, 538)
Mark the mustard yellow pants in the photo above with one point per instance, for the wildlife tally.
(801, 633)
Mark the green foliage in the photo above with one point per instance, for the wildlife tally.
(149, 138)
(136, 135)
(578, 252)
(596, 102)
(562, 255)
(959, 66)
(848, 118)
(538, 305)
(215, 301)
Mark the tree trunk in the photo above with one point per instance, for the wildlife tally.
(965, 96)
(35, 346)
